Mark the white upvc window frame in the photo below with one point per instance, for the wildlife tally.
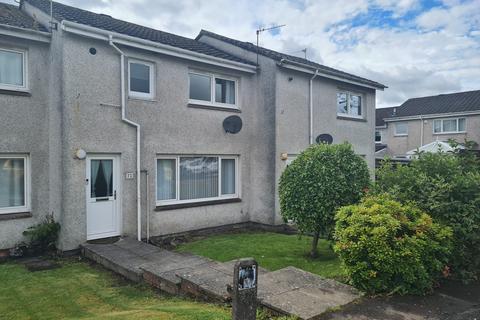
(348, 114)
(212, 102)
(152, 73)
(449, 132)
(23, 87)
(177, 200)
(27, 184)
(396, 134)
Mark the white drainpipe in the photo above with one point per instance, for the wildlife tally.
(421, 131)
(310, 110)
(137, 126)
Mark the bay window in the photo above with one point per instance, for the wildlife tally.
(14, 184)
(453, 125)
(184, 179)
(212, 90)
(349, 104)
(13, 69)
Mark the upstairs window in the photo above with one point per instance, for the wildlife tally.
(13, 70)
(455, 125)
(140, 79)
(210, 89)
(401, 128)
(349, 104)
(378, 136)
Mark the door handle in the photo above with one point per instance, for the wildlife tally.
(115, 195)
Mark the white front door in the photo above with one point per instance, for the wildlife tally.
(102, 188)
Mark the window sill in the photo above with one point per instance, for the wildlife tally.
(449, 133)
(196, 204)
(15, 93)
(141, 99)
(400, 135)
(16, 215)
(214, 107)
(351, 118)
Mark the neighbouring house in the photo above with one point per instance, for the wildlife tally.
(419, 122)
(119, 129)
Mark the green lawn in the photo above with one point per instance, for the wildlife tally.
(77, 290)
(272, 251)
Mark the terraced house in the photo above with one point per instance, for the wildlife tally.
(424, 121)
(119, 129)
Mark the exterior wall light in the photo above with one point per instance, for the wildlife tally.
(80, 154)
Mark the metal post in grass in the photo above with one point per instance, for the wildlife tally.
(244, 290)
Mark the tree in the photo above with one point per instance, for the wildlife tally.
(322, 179)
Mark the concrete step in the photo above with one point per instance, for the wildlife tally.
(164, 275)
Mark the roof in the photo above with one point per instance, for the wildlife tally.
(381, 114)
(63, 12)
(12, 16)
(278, 56)
(467, 101)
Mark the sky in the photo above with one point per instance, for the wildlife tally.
(416, 48)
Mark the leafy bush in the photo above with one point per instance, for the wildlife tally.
(388, 247)
(322, 179)
(43, 236)
(446, 186)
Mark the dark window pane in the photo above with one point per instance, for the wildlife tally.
(228, 176)
(200, 87)
(225, 91)
(139, 77)
(102, 178)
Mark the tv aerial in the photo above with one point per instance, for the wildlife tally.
(260, 30)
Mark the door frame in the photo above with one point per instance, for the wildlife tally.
(117, 178)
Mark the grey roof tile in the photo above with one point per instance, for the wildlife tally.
(275, 55)
(381, 114)
(466, 101)
(63, 12)
(12, 16)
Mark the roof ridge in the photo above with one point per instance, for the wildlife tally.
(106, 22)
(283, 55)
(443, 94)
(110, 17)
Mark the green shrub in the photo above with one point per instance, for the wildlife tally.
(43, 236)
(447, 187)
(322, 179)
(387, 247)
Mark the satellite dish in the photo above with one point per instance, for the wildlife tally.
(324, 138)
(232, 124)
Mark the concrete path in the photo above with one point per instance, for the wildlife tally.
(288, 291)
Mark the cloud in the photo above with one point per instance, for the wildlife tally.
(417, 48)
